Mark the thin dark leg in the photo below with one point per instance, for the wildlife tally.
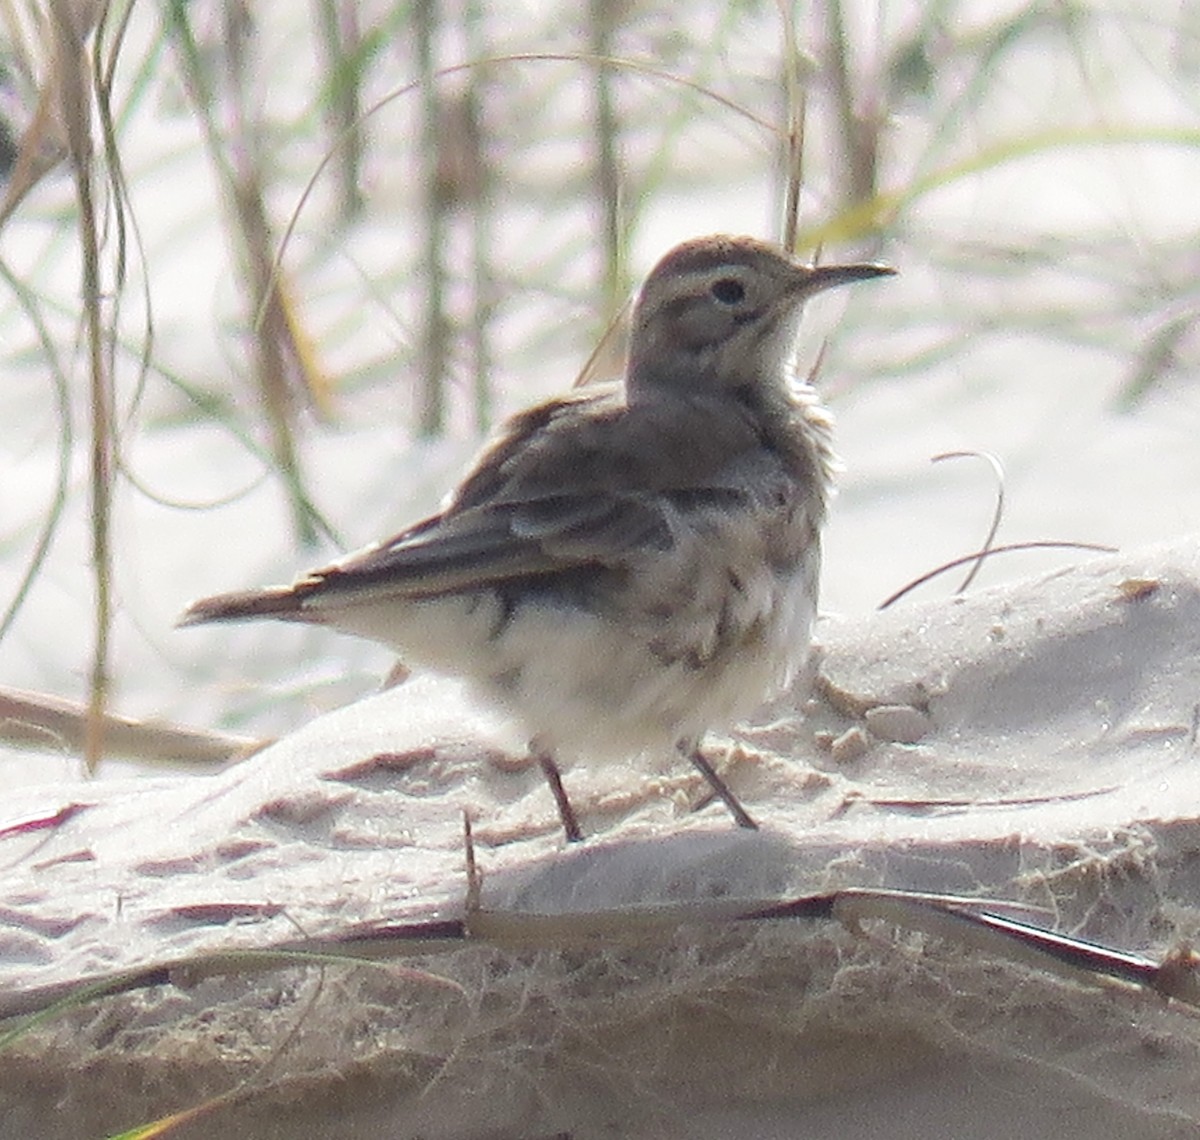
(718, 785)
(565, 811)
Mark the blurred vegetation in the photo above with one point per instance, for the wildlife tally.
(270, 218)
(275, 221)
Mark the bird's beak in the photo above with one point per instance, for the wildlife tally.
(817, 278)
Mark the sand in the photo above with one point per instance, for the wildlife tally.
(1047, 755)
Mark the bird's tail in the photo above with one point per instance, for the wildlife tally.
(283, 603)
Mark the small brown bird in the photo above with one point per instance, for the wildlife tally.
(628, 565)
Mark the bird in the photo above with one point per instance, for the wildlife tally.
(632, 563)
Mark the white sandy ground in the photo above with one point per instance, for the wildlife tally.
(1057, 764)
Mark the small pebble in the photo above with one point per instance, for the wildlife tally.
(900, 724)
(1135, 589)
(850, 746)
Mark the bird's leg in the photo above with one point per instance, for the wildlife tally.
(566, 812)
(691, 749)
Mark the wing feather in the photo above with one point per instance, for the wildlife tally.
(579, 481)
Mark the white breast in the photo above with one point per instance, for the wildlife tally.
(698, 638)
(601, 686)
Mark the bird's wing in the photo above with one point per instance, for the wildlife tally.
(580, 481)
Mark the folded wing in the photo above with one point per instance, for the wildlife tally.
(581, 481)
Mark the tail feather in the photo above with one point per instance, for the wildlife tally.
(284, 603)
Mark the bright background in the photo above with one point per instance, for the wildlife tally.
(452, 247)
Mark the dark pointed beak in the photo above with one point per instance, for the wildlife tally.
(817, 278)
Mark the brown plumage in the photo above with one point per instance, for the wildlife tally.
(629, 564)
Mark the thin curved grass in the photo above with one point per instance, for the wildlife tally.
(66, 444)
(997, 510)
(884, 208)
(636, 67)
(1006, 548)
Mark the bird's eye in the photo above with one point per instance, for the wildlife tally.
(729, 291)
